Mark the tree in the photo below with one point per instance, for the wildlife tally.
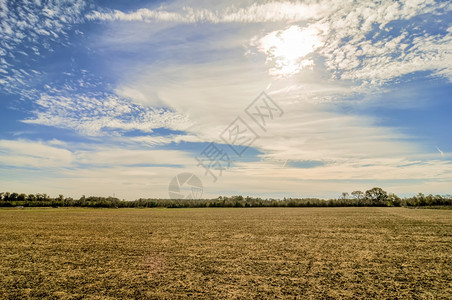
(344, 196)
(358, 195)
(31, 197)
(377, 196)
(393, 200)
(420, 199)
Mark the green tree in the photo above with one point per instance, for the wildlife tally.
(393, 200)
(358, 195)
(31, 197)
(377, 196)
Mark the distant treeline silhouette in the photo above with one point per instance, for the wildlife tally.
(372, 197)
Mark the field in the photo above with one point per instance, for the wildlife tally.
(241, 253)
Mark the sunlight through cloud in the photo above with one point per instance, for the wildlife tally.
(287, 50)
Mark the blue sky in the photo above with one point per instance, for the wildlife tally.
(114, 97)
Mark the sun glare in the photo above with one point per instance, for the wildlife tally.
(287, 50)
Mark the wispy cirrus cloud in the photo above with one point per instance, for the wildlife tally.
(56, 167)
(254, 13)
(374, 43)
(23, 153)
(356, 38)
(132, 172)
(29, 29)
(99, 114)
(365, 42)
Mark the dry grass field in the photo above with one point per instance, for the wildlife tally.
(302, 253)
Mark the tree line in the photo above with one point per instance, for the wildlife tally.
(373, 197)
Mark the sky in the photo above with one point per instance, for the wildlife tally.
(270, 99)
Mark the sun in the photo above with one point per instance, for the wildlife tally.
(287, 50)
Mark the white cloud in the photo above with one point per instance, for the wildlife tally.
(28, 28)
(23, 153)
(57, 167)
(342, 35)
(116, 156)
(167, 139)
(351, 147)
(214, 94)
(97, 114)
(254, 13)
(133, 171)
(355, 50)
(379, 61)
